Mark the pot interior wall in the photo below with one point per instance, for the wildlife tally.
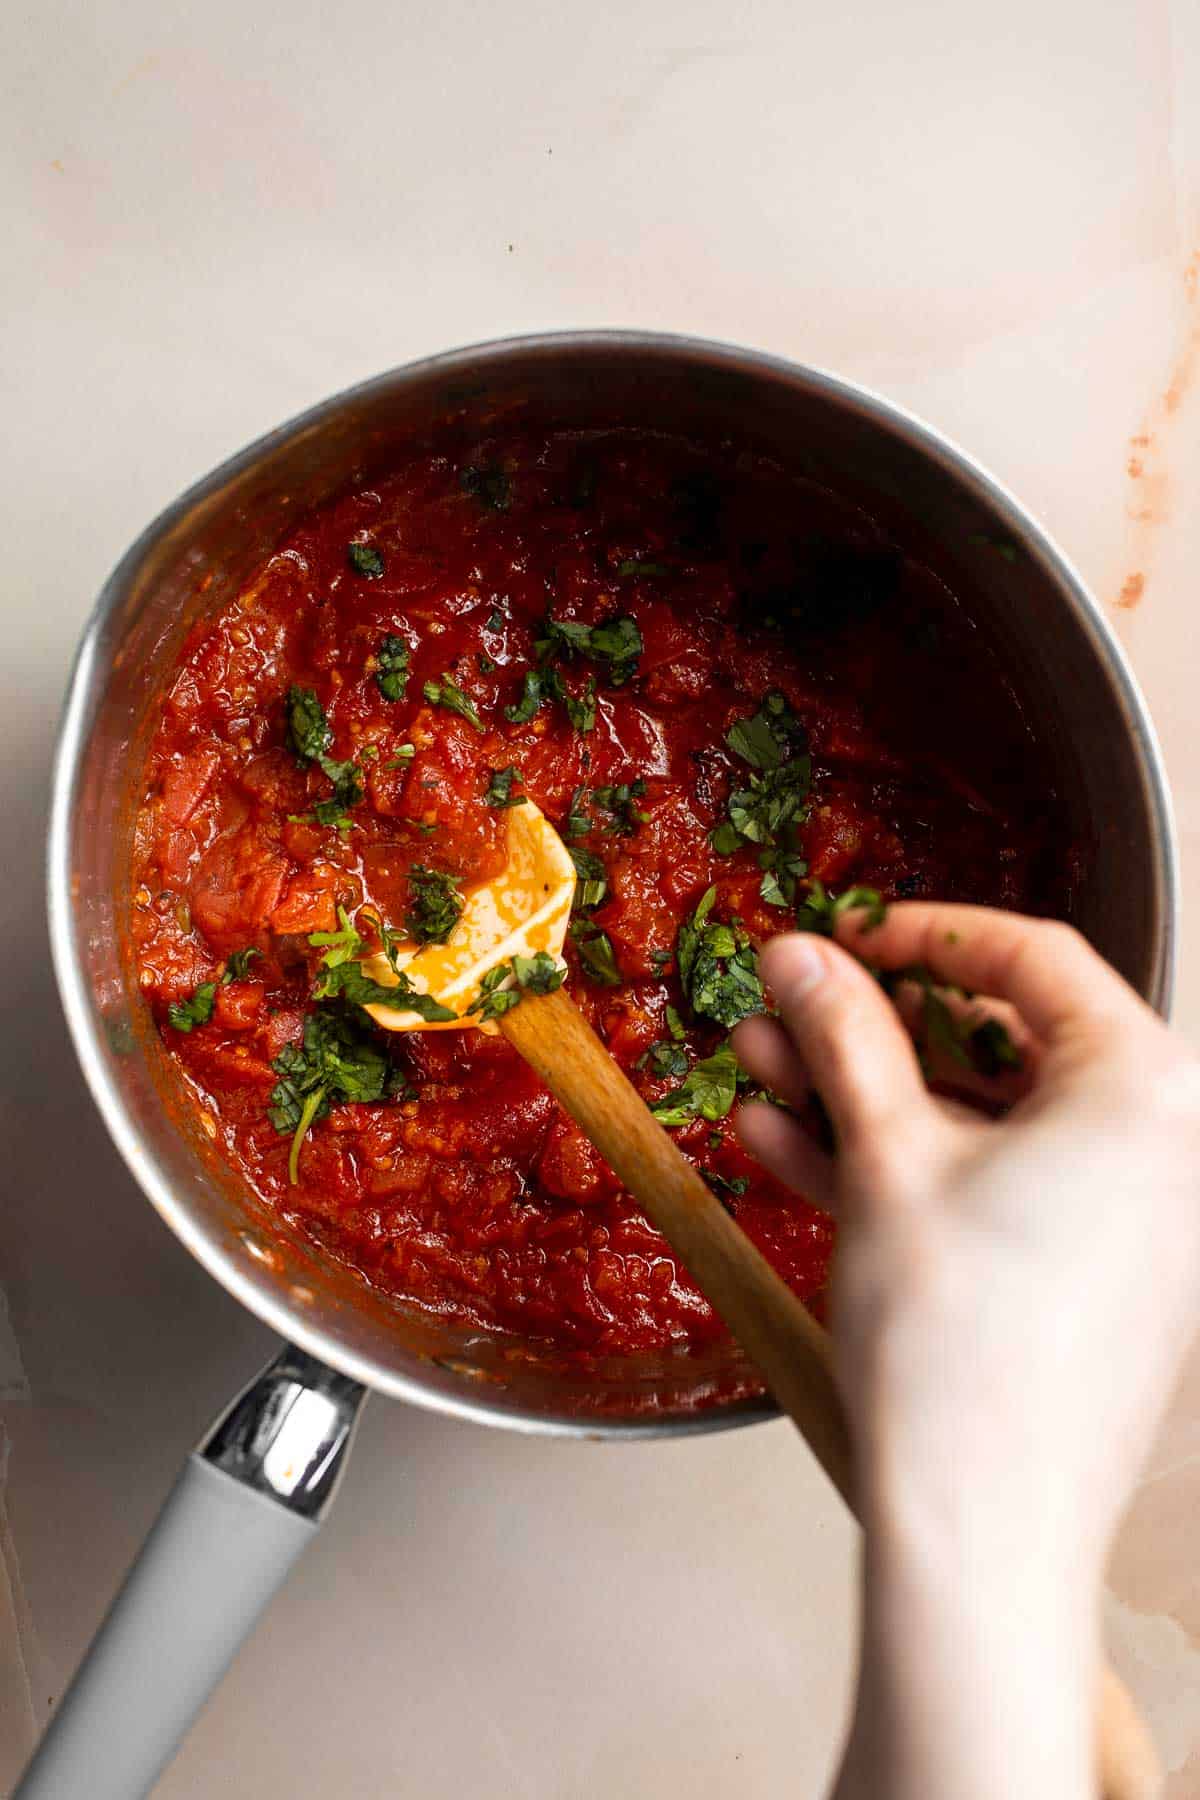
(194, 560)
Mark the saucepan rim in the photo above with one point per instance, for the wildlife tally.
(85, 687)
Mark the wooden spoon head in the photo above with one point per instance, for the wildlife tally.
(525, 909)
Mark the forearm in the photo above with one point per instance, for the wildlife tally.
(976, 1677)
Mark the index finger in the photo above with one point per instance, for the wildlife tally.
(1048, 971)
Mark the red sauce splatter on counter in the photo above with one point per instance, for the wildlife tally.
(471, 1193)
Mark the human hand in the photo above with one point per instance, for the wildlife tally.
(1011, 1296)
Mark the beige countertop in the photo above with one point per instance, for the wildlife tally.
(213, 217)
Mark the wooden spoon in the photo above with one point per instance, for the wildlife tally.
(525, 910)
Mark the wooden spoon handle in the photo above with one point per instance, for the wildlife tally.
(775, 1329)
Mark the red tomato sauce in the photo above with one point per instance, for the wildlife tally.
(470, 1193)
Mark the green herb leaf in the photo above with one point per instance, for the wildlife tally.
(663, 1059)
(821, 911)
(447, 693)
(309, 737)
(767, 811)
(537, 974)
(495, 620)
(346, 981)
(488, 484)
(708, 1092)
(595, 952)
(983, 1045)
(634, 566)
(343, 945)
(485, 665)
(592, 883)
(495, 999)
(391, 675)
(533, 692)
(307, 727)
(991, 1049)
(781, 870)
(767, 738)
(404, 997)
(499, 789)
(577, 823)
(717, 967)
(403, 755)
(617, 642)
(365, 560)
(335, 1060)
(434, 905)
(734, 1185)
(618, 801)
(185, 1015)
(581, 709)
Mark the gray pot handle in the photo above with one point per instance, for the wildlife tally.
(246, 1503)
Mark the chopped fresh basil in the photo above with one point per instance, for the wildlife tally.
(618, 802)
(781, 871)
(616, 643)
(821, 910)
(340, 946)
(633, 566)
(733, 1185)
(335, 1060)
(495, 620)
(365, 560)
(434, 905)
(592, 883)
(991, 1049)
(309, 737)
(767, 811)
(447, 693)
(495, 998)
(307, 727)
(717, 967)
(489, 484)
(577, 823)
(534, 689)
(403, 755)
(581, 709)
(663, 1059)
(391, 674)
(982, 1045)
(537, 974)
(485, 665)
(197, 1009)
(595, 951)
(499, 789)
(769, 737)
(708, 1092)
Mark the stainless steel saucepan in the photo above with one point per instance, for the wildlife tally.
(252, 1495)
